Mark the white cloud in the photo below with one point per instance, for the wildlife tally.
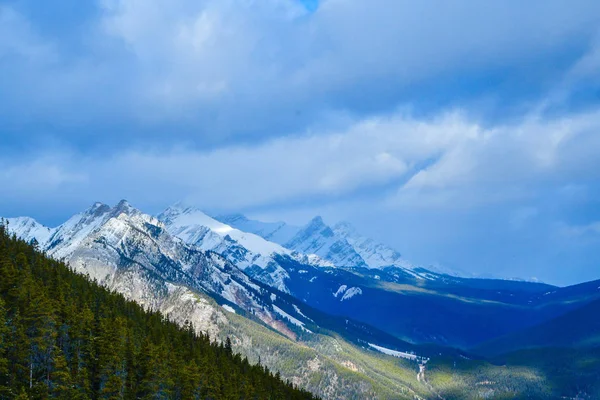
(441, 162)
(249, 103)
(508, 161)
(261, 51)
(40, 176)
(234, 67)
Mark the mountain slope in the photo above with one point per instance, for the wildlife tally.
(247, 251)
(64, 337)
(278, 232)
(341, 245)
(578, 328)
(375, 255)
(133, 254)
(120, 246)
(28, 229)
(318, 238)
(447, 311)
(333, 356)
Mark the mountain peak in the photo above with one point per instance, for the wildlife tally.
(318, 238)
(181, 208)
(123, 205)
(28, 229)
(317, 223)
(97, 208)
(232, 218)
(345, 227)
(317, 220)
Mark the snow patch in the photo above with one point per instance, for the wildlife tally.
(227, 307)
(293, 320)
(340, 290)
(300, 312)
(350, 293)
(390, 352)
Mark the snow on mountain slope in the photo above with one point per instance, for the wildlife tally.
(341, 245)
(194, 226)
(248, 251)
(68, 236)
(318, 238)
(375, 254)
(278, 232)
(134, 254)
(28, 229)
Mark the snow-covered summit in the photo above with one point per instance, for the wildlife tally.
(342, 245)
(67, 237)
(278, 232)
(194, 226)
(246, 250)
(134, 254)
(376, 255)
(28, 229)
(318, 238)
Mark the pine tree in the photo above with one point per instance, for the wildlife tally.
(64, 337)
(61, 380)
(4, 338)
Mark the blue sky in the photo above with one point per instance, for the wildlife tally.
(463, 133)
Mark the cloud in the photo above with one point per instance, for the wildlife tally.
(211, 72)
(509, 161)
(441, 120)
(441, 162)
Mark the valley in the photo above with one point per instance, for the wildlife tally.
(353, 331)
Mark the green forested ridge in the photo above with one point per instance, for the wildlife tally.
(62, 336)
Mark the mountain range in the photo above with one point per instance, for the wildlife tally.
(332, 310)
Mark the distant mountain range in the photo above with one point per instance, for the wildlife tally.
(342, 244)
(313, 286)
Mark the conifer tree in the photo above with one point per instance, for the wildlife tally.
(64, 337)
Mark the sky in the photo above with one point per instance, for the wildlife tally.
(466, 134)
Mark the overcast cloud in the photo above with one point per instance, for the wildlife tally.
(463, 133)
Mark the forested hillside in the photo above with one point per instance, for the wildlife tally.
(576, 329)
(62, 336)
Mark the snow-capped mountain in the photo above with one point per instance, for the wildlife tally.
(278, 232)
(375, 254)
(318, 238)
(248, 251)
(28, 229)
(341, 245)
(66, 238)
(195, 227)
(134, 254)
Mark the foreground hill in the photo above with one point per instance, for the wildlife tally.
(63, 336)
